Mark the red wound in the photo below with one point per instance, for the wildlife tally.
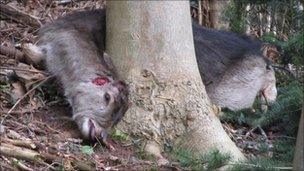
(100, 81)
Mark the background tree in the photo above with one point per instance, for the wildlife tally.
(151, 44)
(216, 10)
(298, 163)
(209, 13)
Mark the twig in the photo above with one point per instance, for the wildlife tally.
(283, 69)
(19, 153)
(284, 136)
(8, 167)
(18, 112)
(25, 154)
(19, 143)
(25, 95)
(27, 70)
(263, 133)
(8, 12)
(49, 127)
(21, 165)
(11, 52)
(65, 2)
(50, 166)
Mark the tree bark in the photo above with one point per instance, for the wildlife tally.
(268, 19)
(200, 13)
(151, 45)
(248, 20)
(299, 152)
(217, 9)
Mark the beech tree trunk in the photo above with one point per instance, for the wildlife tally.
(298, 163)
(151, 45)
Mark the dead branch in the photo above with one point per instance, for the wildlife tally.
(19, 153)
(19, 143)
(21, 166)
(17, 112)
(65, 2)
(30, 155)
(11, 52)
(22, 69)
(10, 13)
(25, 154)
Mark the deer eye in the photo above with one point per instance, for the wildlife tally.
(107, 97)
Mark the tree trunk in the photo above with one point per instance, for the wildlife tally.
(268, 19)
(273, 17)
(260, 14)
(151, 45)
(299, 152)
(200, 13)
(217, 9)
(236, 24)
(248, 20)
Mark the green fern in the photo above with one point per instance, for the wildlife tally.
(285, 111)
(210, 161)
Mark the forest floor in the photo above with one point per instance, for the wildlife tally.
(36, 130)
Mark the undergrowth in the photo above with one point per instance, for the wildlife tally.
(282, 117)
(210, 161)
(283, 113)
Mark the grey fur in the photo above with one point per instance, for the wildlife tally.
(73, 48)
(233, 68)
